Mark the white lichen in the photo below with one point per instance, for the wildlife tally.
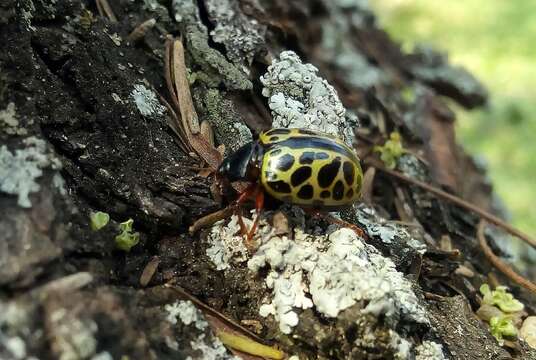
(207, 345)
(146, 101)
(15, 346)
(299, 98)
(330, 272)
(226, 243)
(187, 312)
(74, 337)
(429, 350)
(19, 171)
(9, 122)
(210, 349)
(401, 346)
(105, 355)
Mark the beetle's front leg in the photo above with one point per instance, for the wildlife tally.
(253, 190)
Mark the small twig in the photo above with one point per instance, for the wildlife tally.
(186, 105)
(368, 182)
(456, 200)
(105, 9)
(139, 31)
(207, 309)
(177, 125)
(172, 123)
(499, 264)
(432, 296)
(179, 89)
(211, 218)
(149, 271)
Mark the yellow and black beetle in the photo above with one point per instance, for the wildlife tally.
(303, 167)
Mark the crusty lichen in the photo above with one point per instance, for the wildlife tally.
(213, 63)
(20, 170)
(299, 98)
(242, 36)
(205, 343)
(429, 350)
(330, 272)
(9, 123)
(146, 101)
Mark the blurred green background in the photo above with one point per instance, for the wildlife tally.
(496, 41)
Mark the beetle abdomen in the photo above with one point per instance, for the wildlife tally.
(309, 168)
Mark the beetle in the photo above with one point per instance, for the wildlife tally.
(313, 170)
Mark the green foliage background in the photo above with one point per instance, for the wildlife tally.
(496, 41)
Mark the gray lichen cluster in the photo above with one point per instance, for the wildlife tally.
(299, 98)
(19, 170)
(9, 122)
(215, 66)
(146, 101)
(241, 35)
(208, 346)
(328, 272)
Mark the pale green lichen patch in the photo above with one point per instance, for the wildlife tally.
(20, 170)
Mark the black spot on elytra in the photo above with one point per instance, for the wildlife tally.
(349, 172)
(274, 138)
(328, 173)
(325, 194)
(321, 156)
(350, 193)
(278, 132)
(338, 190)
(279, 186)
(299, 176)
(307, 157)
(284, 162)
(306, 192)
(275, 152)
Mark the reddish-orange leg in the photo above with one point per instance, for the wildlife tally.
(333, 220)
(254, 190)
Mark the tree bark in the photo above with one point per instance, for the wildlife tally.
(83, 129)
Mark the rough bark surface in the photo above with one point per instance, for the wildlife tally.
(73, 134)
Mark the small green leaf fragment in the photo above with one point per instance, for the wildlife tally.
(127, 225)
(391, 151)
(127, 240)
(501, 298)
(98, 220)
(502, 326)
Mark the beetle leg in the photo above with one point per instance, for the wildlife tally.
(250, 191)
(259, 204)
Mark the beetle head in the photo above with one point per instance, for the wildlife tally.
(242, 165)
